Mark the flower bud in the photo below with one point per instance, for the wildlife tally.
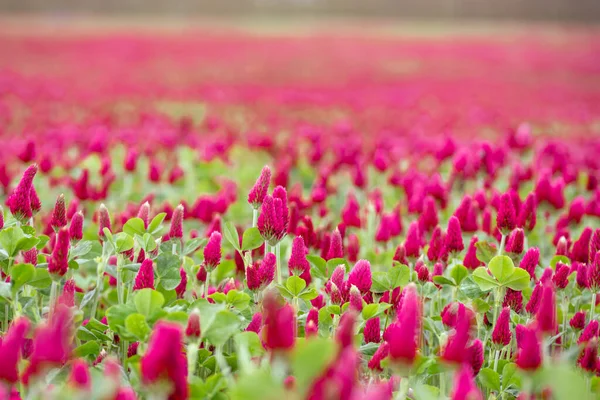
(145, 276)
(259, 190)
(59, 214)
(103, 221)
(76, 226)
(176, 228)
(212, 252)
(58, 263)
(79, 377)
(192, 331)
(454, 239)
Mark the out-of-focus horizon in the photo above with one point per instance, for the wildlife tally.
(587, 11)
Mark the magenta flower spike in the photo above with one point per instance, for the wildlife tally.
(372, 330)
(464, 385)
(192, 330)
(212, 252)
(52, 344)
(546, 315)
(335, 246)
(298, 264)
(475, 356)
(261, 187)
(454, 240)
(360, 276)
(506, 218)
(79, 377)
(76, 226)
(279, 332)
(59, 214)
(402, 335)
(528, 214)
(145, 276)
(471, 261)
(164, 360)
(144, 213)
(10, 350)
(19, 201)
(412, 245)
(103, 221)
(501, 334)
(529, 348)
(176, 228)
(530, 261)
(58, 264)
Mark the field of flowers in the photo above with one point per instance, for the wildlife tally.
(211, 215)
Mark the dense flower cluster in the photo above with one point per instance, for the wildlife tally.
(410, 236)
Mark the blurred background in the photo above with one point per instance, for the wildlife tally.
(555, 10)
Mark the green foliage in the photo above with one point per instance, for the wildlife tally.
(251, 239)
(310, 358)
(167, 269)
(231, 235)
(503, 274)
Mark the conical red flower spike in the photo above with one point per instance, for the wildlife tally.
(454, 240)
(506, 218)
(176, 228)
(103, 221)
(360, 276)
(145, 276)
(59, 214)
(212, 252)
(471, 261)
(19, 201)
(261, 187)
(164, 360)
(529, 348)
(464, 385)
(402, 335)
(502, 334)
(10, 350)
(58, 264)
(76, 226)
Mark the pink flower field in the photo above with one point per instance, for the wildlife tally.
(358, 213)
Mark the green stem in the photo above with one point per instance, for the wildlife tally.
(565, 309)
(498, 303)
(53, 295)
(223, 366)
(502, 242)
(593, 306)
(124, 348)
(371, 221)
(99, 281)
(128, 288)
(127, 183)
(206, 284)
(97, 294)
(254, 217)
(387, 315)
(16, 306)
(528, 386)
(278, 259)
(5, 326)
(496, 357)
(119, 280)
(403, 390)
(296, 309)
(192, 353)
